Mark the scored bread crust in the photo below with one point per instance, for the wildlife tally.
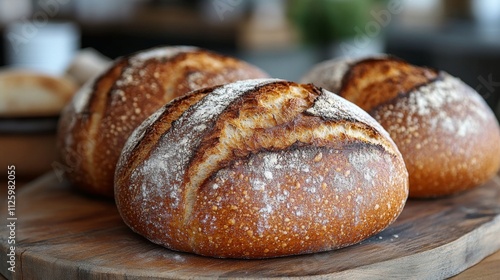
(448, 136)
(259, 168)
(95, 126)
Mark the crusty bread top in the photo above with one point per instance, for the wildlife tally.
(185, 143)
(207, 108)
(107, 109)
(438, 106)
(30, 94)
(129, 73)
(384, 77)
(429, 95)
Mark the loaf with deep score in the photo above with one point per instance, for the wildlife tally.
(449, 137)
(95, 126)
(259, 168)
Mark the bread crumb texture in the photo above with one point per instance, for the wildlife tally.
(260, 168)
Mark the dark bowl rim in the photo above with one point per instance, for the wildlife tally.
(28, 125)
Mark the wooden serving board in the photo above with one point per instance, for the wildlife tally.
(62, 234)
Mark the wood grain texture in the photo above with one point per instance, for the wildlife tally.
(489, 268)
(63, 234)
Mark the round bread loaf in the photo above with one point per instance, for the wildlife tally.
(257, 169)
(31, 94)
(448, 135)
(95, 126)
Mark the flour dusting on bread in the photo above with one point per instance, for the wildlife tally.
(169, 161)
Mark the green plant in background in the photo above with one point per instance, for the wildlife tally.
(326, 21)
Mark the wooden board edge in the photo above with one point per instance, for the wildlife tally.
(4, 259)
(427, 268)
(66, 268)
(464, 248)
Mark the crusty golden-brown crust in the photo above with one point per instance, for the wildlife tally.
(385, 79)
(94, 128)
(448, 136)
(257, 169)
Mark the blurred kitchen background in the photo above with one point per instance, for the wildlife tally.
(285, 38)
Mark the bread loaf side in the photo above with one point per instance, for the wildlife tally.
(449, 137)
(95, 126)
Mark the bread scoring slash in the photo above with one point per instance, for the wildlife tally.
(257, 169)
